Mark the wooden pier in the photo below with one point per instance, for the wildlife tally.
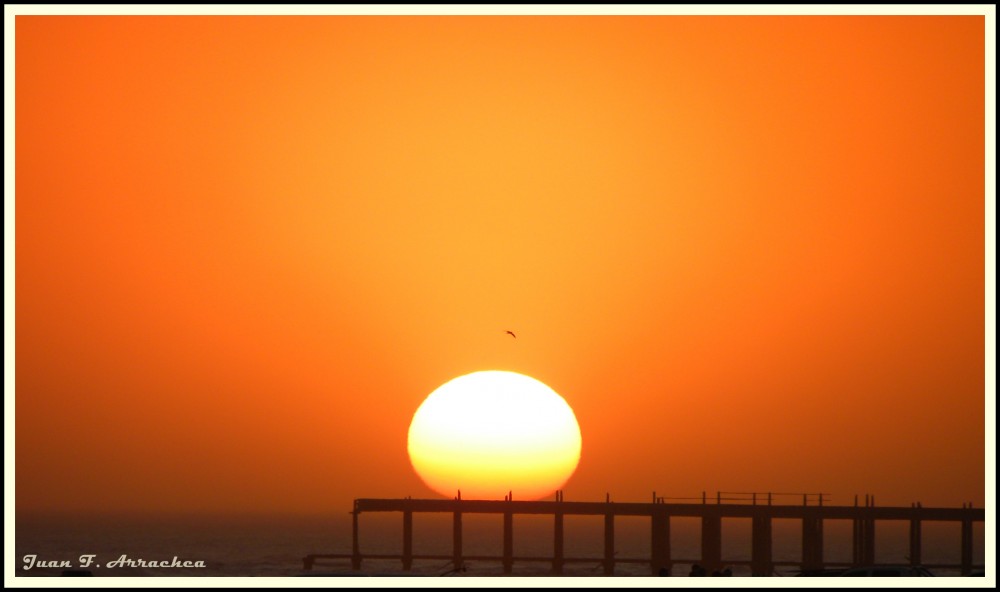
(760, 510)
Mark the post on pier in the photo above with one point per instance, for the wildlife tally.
(557, 552)
(355, 546)
(857, 542)
(660, 543)
(915, 540)
(407, 540)
(711, 540)
(812, 542)
(456, 540)
(966, 546)
(761, 545)
(869, 540)
(609, 543)
(864, 535)
(508, 542)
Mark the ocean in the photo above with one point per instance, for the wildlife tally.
(275, 545)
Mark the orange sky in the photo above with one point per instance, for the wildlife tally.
(748, 251)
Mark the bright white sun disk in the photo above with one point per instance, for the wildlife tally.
(491, 432)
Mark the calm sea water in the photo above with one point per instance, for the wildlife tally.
(275, 545)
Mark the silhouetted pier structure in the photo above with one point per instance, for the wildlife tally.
(761, 510)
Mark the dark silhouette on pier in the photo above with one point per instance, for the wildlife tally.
(762, 511)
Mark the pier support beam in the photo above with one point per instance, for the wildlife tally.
(761, 545)
(869, 541)
(609, 544)
(660, 543)
(915, 542)
(407, 540)
(711, 542)
(966, 547)
(864, 541)
(857, 545)
(355, 547)
(557, 551)
(508, 542)
(812, 542)
(456, 540)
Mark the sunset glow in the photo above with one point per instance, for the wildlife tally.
(490, 433)
(750, 251)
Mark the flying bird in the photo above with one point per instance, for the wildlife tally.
(511, 333)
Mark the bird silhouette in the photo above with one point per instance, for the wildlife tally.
(511, 333)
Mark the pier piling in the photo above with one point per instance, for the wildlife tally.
(609, 544)
(508, 542)
(966, 546)
(355, 546)
(812, 542)
(915, 542)
(456, 540)
(557, 551)
(407, 540)
(660, 543)
(711, 541)
(760, 545)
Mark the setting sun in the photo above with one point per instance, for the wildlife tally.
(493, 432)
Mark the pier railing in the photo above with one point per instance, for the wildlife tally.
(761, 509)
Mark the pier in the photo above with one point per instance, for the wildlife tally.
(759, 507)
